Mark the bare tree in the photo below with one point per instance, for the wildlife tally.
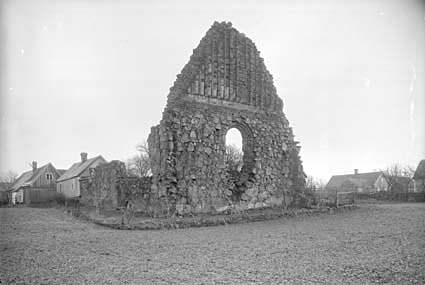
(310, 193)
(233, 158)
(398, 177)
(140, 164)
(8, 177)
(314, 184)
(408, 171)
(143, 148)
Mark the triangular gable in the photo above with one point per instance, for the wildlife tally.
(29, 177)
(48, 168)
(420, 170)
(226, 66)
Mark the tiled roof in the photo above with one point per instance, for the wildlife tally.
(420, 170)
(360, 179)
(22, 180)
(27, 178)
(78, 168)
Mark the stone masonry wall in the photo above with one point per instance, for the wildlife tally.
(225, 85)
(112, 179)
(138, 191)
(101, 185)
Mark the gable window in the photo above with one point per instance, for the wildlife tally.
(49, 176)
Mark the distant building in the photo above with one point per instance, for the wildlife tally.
(69, 182)
(369, 182)
(358, 182)
(39, 178)
(419, 177)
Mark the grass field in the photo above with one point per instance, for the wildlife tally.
(382, 243)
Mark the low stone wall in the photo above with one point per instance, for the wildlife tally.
(137, 191)
(111, 187)
(254, 215)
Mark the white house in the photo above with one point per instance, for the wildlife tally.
(369, 182)
(69, 182)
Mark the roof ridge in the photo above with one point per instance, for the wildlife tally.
(373, 172)
(74, 170)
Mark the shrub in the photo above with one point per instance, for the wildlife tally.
(60, 199)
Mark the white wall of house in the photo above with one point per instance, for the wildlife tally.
(18, 196)
(69, 188)
(381, 184)
(419, 185)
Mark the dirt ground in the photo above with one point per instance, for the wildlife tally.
(382, 243)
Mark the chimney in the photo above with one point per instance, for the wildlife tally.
(356, 171)
(34, 166)
(83, 156)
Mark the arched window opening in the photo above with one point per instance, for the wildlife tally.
(234, 150)
(234, 160)
(239, 160)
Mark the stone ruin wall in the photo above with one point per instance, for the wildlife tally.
(103, 179)
(112, 178)
(225, 85)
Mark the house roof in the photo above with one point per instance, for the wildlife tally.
(360, 179)
(420, 170)
(27, 178)
(77, 168)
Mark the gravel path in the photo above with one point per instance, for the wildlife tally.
(374, 244)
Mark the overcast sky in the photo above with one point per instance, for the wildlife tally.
(93, 76)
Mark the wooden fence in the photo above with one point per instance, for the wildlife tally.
(344, 198)
(392, 196)
(3, 198)
(336, 198)
(39, 195)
